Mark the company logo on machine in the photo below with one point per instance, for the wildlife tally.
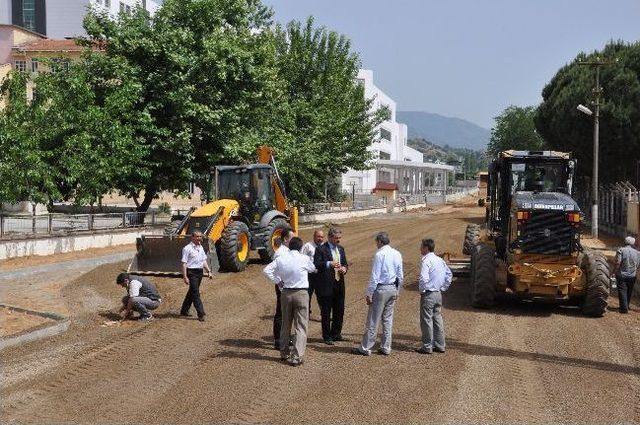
(547, 233)
(548, 207)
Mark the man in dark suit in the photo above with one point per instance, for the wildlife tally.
(331, 263)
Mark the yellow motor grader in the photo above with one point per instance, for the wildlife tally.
(249, 212)
(530, 242)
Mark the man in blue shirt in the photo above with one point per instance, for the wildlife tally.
(382, 292)
(435, 277)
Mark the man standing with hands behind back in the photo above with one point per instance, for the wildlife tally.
(194, 261)
(331, 262)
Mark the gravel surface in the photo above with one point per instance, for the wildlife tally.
(521, 362)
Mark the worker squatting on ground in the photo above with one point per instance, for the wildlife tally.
(382, 292)
(331, 262)
(194, 262)
(142, 296)
(627, 263)
(435, 277)
(290, 272)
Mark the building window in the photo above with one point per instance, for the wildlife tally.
(21, 66)
(385, 134)
(384, 155)
(107, 4)
(34, 65)
(59, 64)
(29, 14)
(125, 8)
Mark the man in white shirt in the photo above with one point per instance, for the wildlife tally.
(382, 292)
(194, 262)
(309, 249)
(290, 270)
(142, 296)
(282, 247)
(435, 277)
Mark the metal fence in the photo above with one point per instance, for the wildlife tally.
(613, 205)
(14, 225)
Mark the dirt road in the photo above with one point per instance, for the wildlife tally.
(521, 362)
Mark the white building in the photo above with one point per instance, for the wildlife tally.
(62, 18)
(395, 161)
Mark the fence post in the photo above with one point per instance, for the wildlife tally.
(153, 218)
(124, 219)
(1, 225)
(90, 222)
(50, 224)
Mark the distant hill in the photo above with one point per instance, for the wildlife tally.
(442, 131)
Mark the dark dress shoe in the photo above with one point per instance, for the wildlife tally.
(201, 318)
(185, 314)
(423, 350)
(338, 338)
(329, 341)
(358, 352)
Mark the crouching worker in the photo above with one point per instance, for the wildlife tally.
(142, 296)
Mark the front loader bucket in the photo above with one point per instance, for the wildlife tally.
(161, 256)
(458, 266)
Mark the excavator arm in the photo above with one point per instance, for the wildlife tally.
(265, 156)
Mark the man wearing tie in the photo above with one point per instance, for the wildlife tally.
(331, 262)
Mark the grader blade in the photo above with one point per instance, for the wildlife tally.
(161, 256)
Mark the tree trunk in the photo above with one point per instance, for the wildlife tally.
(149, 193)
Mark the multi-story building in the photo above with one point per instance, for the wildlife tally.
(62, 18)
(395, 163)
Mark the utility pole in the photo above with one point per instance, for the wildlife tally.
(597, 91)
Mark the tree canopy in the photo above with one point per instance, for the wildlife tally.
(565, 128)
(515, 129)
(155, 103)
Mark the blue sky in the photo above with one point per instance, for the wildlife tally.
(468, 58)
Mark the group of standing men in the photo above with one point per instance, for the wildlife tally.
(299, 270)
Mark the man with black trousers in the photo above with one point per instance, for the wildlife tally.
(331, 262)
(282, 247)
(194, 262)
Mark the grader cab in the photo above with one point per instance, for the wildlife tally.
(530, 243)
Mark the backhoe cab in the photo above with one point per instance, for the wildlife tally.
(249, 212)
(530, 243)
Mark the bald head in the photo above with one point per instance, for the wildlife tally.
(318, 237)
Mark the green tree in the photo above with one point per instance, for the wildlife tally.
(65, 143)
(322, 124)
(515, 129)
(566, 129)
(204, 72)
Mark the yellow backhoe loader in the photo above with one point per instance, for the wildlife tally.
(250, 211)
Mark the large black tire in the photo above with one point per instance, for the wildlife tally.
(483, 276)
(471, 238)
(234, 247)
(594, 266)
(172, 228)
(274, 229)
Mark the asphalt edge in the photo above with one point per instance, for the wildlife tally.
(61, 325)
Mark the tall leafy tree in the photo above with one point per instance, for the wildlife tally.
(566, 129)
(515, 129)
(204, 71)
(65, 143)
(322, 123)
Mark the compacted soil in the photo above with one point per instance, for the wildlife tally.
(520, 362)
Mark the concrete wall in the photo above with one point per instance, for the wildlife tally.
(62, 244)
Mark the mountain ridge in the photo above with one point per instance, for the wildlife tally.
(442, 130)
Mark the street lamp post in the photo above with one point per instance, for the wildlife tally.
(597, 91)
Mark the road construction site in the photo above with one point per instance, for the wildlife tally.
(518, 362)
